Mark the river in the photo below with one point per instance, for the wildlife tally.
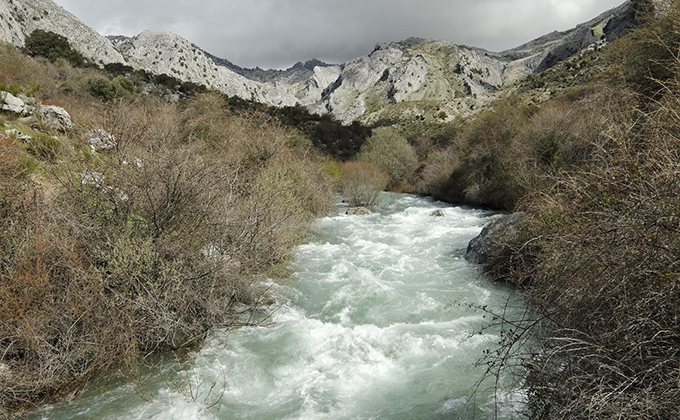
(373, 324)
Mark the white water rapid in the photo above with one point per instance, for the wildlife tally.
(370, 326)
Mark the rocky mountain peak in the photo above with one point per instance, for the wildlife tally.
(408, 78)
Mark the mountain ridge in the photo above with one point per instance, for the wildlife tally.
(412, 77)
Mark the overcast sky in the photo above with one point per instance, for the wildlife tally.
(278, 33)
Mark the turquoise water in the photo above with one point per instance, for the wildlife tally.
(372, 325)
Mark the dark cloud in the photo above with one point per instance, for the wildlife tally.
(277, 33)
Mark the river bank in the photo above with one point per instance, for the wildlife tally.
(372, 324)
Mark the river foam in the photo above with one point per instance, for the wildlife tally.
(369, 327)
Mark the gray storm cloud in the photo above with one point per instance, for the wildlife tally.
(277, 33)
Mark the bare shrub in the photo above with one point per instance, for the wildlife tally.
(145, 247)
(432, 176)
(598, 259)
(362, 183)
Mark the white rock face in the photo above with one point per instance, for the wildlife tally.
(10, 30)
(55, 117)
(21, 17)
(12, 104)
(411, 77)
(310, 91)
(415, 70)
(168, 53)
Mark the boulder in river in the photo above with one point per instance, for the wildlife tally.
(438, 213)
(490, 244)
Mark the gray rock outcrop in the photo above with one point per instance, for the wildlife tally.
(21, 17)
(490, 243)
(11, 103)
(92, 179)
(55, 117)
(24, 138)
(99, 139)
(165, 52)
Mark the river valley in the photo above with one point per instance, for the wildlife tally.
(373, 324)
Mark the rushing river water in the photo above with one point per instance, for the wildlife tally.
(370, 326)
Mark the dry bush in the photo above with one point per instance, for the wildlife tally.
(512, 150)
(388, 148)
(55, 322)
(599, 259)
(144, 247)
(362, 183)
(609, 272)
(598, 256)
(432, 176)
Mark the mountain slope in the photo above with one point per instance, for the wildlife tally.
(432, 78)
(18, 18)
(415, 78)
(165, 52)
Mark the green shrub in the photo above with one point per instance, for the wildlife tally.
(118, 69)
(387, 148)
(12, 88)
(122, 85)
(340, 141)
(52, 46)
(169, 82)
(101, 87)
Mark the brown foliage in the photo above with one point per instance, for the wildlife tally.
(362, 183)
(144, 247)
(598, 257)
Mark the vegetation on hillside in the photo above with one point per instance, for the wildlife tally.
(599, 252)
(590, 151)
(53, 47)
(597, 171)
(108, 256)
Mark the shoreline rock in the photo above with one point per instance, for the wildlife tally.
(490, 244)
(358, 211)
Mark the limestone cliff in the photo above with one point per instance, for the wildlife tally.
(19, 18)
(165, 52)
(415, 78)
(425, 77)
